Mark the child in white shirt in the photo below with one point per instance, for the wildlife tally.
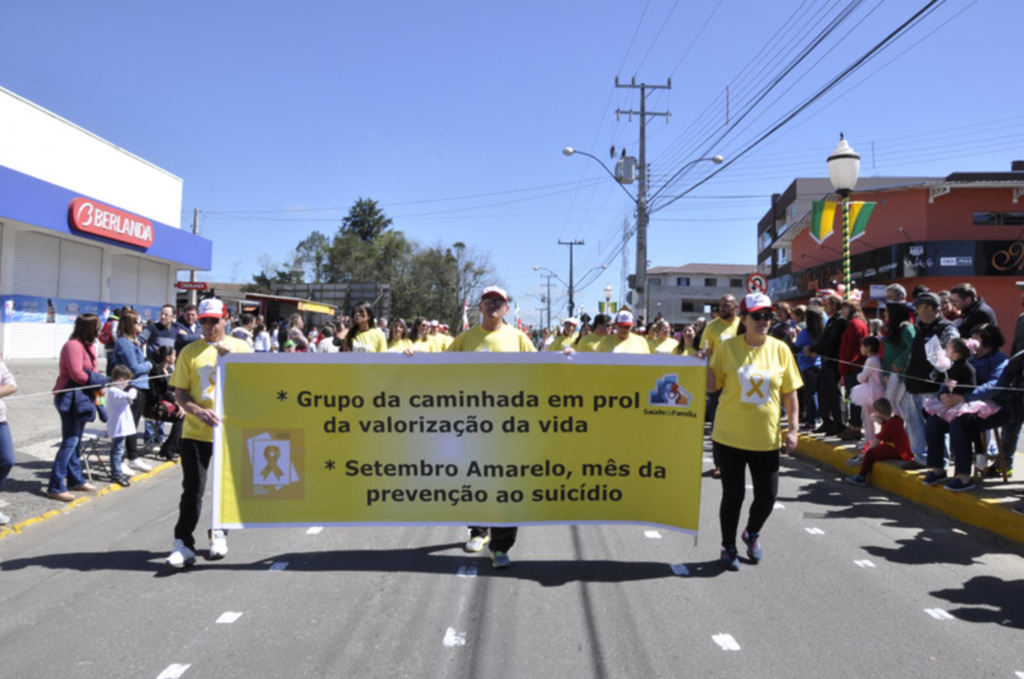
(120, 423)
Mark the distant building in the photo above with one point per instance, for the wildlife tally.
(966, 227)
(683, 293)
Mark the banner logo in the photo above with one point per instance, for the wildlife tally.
(276, 464)
(667, 392)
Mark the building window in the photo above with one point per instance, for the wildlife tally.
(683, 282)
(999, 218)
(654, 281)
(711, 282)
(766, 240)
(736, 282)
(687, 306)
(783, 256)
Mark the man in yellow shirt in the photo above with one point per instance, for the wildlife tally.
(719, 330)
(568, 336)
(195, 390)
(602, 328)
(624, 341)
(493, 334)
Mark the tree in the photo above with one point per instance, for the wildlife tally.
(365, 220)
(312, 255)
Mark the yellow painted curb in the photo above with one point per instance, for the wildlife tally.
(17, 528)
(991, 514)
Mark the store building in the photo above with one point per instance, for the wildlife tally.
(85, 226)
(682, 294)
(938, 232)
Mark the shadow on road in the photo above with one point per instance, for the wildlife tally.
(988, 599)
(414, 560)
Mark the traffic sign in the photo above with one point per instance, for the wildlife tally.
(756, 282)
(192, 285)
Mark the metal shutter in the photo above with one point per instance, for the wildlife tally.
(81, 271)
(124, 280)
(153, 283)
(36, 261)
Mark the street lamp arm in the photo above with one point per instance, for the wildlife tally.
(551, 273)
(570, 151)
(716, 159)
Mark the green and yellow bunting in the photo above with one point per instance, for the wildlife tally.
(823, 215)
(860, 213)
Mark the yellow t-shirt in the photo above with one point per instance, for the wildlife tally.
(443, 341)
(718, 331)
(563, 341)
(372, 341)
(688, 351)
(666, 347)
(589, 342)
(425, 343)
(505, 338)
(400, 346)
(195, 372)
(634, 344)
(752, 380)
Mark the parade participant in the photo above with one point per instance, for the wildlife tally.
(194, 391)
(443, 338)
(687, 341)
(757, 375)
(624, 340)
(186, 328)
(493, 334)
(7, 387)
(721, 329)
(128, 352)
(398, 339)
(602, 327)
(74, 396)
(419, 334)
(363, 335)
(546, 340)
(568, 336)
(663, 343)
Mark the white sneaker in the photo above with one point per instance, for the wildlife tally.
(4, 519)
(139, 464)
(126, 470)
(477, 544)
(181, 555)
(218, 545)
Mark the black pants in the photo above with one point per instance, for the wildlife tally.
(764, 474)
(131, 443)
(850, 381)
(809, 394)
(169, 448)
(502, 537)
(830, 401)
(195, 461)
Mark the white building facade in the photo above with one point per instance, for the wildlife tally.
(85, 227)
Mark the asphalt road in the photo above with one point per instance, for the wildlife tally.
(854, 584)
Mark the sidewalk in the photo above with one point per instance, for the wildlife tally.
(987, 507)
(35, 428)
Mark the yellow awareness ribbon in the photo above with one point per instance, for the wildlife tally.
(755, 386)
(271, 454)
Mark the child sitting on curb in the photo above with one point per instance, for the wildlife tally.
(892, 444)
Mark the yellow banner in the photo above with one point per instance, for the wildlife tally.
(315, 308)
(462, 439)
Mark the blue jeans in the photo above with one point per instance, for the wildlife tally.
(67, 464)
(116, 455)
(6, 452)
(912, 408)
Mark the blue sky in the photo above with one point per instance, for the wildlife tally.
(453, 115)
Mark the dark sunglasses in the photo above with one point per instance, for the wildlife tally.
(762, 315)
(209, 321)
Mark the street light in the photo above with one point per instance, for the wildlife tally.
(641, 215)
(843, 169)
(608, 298)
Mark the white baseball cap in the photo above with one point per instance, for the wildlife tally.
(756, 301)
(212, 308)
(494, 291)
(624, 318)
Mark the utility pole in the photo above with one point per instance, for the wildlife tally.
(548, 298)
(641, 199)
(570, 243)
(192, 274)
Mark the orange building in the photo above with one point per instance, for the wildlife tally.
(967, 227)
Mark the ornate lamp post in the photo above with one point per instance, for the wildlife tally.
(843, 169)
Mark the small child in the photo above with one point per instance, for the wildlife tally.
(893, 442)
(120, 423)
(961, 379)
(870, 388)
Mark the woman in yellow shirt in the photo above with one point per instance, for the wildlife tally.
(757, 375)
(688, 340)
(398, 336)
(419, 335)
(364, 335)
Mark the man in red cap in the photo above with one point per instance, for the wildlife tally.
(493, 334)
(194, 391)
(624, 340)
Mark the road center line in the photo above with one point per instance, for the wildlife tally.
(228, 617)
(278, 565)
(726, 642)
(173, 671)
(680, 569)
(815, 531)
(652, 534)
(453, 638)
(864, 563)
(467, 572)
(315, 530)
(938, 613)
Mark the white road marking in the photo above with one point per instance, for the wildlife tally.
(750, 487)
(453, 638)
(1020, 675)
(815, 531)
(315, 530)
(938, 613)
(680, 569)
(726, 642)
(279, 565)
(652, 534)
(864, 563)
(228, 617)
(173, 671)
(779, 505)
(467, 572)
